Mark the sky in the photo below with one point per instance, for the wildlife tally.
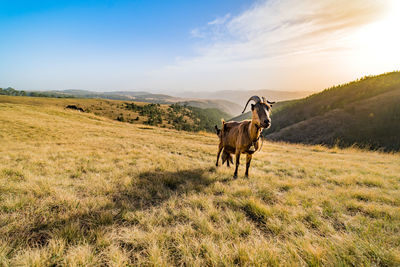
(208, 45)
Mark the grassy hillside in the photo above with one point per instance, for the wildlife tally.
(80, 189)
(167, 116)
(137, 96)
(365, 112)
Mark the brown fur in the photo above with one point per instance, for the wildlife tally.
(226, 157)
(239, 137)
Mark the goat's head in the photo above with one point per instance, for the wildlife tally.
(261, 110)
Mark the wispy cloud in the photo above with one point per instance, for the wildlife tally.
(252, 48)
(196, 33)
(214, 30)
(220, 20)
(273, 28)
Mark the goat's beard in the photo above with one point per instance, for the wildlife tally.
(262, 127)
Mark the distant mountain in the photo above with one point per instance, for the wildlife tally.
(130, 93)
(240, 97)
(365, 112)
(119, 95)
(225, 106)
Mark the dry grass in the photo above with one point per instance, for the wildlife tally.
(111, 109)
(81, 190)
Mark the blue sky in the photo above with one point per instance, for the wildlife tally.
(69, 38)
(164, 46)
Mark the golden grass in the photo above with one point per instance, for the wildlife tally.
(82, 190)
(111, 109)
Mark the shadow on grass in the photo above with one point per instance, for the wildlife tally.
(146, 190)
(150, 189)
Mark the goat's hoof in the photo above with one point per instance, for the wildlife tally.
(235, 176)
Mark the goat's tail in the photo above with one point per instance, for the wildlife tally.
(217, 130)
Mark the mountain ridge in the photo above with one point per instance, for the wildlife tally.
(240, 97)
(364, 112)
(138, 96)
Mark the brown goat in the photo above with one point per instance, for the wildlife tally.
(243, 137)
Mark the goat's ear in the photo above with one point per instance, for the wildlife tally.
(252, 107)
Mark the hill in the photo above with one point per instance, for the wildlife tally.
(138, 96)
(223, 105)
(365, 112)
(240, 96)
(166, 116)
(80, 189)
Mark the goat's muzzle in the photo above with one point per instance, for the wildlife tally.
(266, 124)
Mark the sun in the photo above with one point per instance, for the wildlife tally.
(379, 42)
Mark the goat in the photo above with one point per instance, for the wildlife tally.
(225, 155)
(244, 137)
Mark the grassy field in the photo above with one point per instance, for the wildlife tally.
(172, 116)
(78, 189)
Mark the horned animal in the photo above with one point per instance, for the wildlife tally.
(244, 137)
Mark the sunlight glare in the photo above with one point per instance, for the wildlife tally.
(379, 42)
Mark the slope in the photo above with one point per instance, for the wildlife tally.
(167, 116)
(137, 96)
(79, 189)
(364, 112)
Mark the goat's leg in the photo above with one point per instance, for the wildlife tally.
(248, 160)
(227, 159)
(219, 153)
(237, 163)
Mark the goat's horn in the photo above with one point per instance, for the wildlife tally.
(269, 102)
(254, 98)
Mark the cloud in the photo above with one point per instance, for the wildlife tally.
(254, 48)
(196, 33)
(214, 30)
(220, 20)
(273, 28)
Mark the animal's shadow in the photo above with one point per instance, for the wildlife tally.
(146, 190)
(152, 188)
